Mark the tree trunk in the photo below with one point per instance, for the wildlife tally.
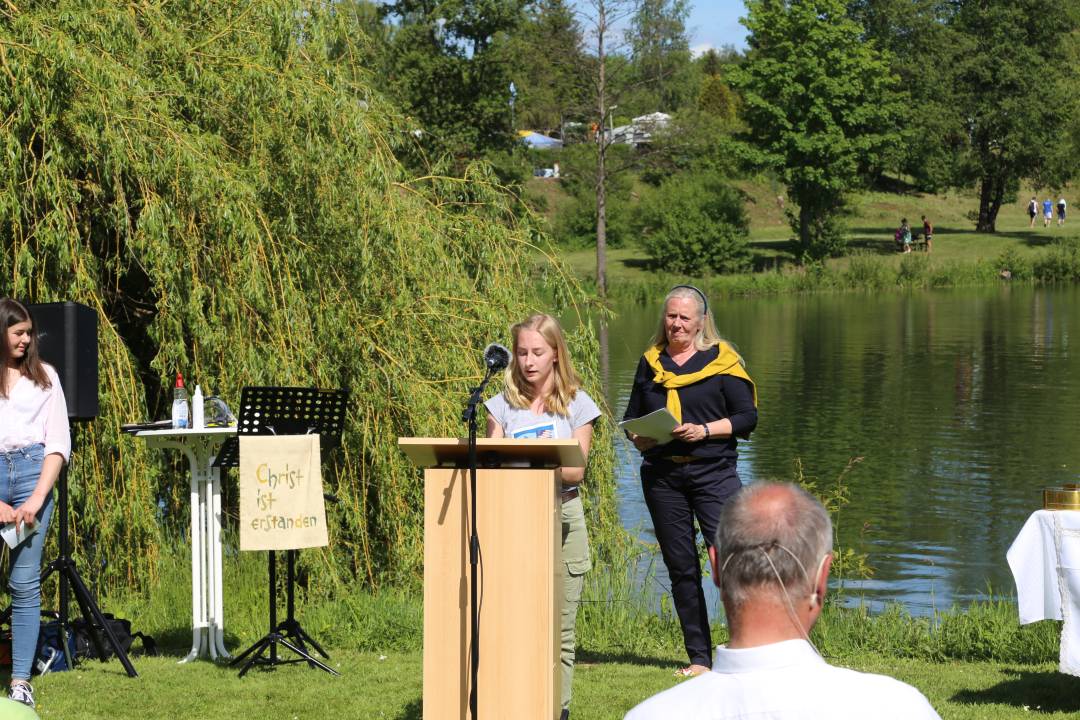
(601, 151)
(991, 194)
(805, 220)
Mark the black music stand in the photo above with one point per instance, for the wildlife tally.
(286, 411)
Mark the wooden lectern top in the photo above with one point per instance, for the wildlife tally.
(493, 452)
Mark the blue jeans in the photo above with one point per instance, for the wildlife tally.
(19, 473)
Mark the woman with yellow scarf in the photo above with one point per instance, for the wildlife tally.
(702, 381)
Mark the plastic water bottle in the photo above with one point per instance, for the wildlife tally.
(180, 404)
(197, 409)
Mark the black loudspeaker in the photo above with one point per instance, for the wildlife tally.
(67, 340)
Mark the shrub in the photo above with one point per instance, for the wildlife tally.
(694, 224)
(1010, 261)
(914, 270)
(1061, 263)
(868, 272)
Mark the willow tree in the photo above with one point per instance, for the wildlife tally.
(216, 180)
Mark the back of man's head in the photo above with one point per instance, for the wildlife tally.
(771, 540)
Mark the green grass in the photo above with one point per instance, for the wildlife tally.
(972, 663)
(390, 685)
(960, 256)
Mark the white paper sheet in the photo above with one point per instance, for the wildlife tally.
(13, 536)
(656, 425)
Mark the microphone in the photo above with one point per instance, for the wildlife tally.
(496, 357)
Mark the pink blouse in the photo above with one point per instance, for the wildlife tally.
(32, 414)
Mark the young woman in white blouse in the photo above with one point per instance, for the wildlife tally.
(34, 445)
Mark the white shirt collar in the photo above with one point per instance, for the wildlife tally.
(764, 657)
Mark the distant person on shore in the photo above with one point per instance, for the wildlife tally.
(903, 236)
(927, 232)
(1033, 211)
(771, 562)
(1061, 211)
(1048, 211)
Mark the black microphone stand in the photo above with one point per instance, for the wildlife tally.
(469, 416)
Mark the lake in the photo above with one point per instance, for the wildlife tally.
(962, 404)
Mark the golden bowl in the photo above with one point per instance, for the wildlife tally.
(1066, 497)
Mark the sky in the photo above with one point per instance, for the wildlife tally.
(714, 23)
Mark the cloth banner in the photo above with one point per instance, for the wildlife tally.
(281, 493)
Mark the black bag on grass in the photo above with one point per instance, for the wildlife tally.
(121, 628)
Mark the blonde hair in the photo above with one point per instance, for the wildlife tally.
(518, 390)
(708, 336)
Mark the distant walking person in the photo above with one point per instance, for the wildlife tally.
(1048, 211)
(927, 232)
(1061, 210)
(1033, 210)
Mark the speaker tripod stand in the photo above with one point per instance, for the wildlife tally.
(71, 581)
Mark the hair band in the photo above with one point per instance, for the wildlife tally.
(700, 294)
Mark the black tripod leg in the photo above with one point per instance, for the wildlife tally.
(86, 602)
(309, 658)
(267, 642)
(302, 634)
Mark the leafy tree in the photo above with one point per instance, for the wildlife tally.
(660, 52)
(820, 104)
(552, 76)
(925, 47)
(1016, 93)
(214, 180)
(448, 65)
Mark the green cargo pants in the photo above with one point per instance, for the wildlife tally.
(575, 550)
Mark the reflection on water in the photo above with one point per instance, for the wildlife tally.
(964, 404)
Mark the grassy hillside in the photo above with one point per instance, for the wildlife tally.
(871, 221)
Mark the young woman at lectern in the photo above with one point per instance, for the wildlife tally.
(542, 398)
(34, 445)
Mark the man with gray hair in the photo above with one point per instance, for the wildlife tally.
(771, 562)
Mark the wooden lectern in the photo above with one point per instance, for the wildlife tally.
(518, 507)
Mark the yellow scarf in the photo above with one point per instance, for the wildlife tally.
(727, 362)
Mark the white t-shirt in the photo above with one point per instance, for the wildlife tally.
(30, 415)
(522, 423)
(784, 681)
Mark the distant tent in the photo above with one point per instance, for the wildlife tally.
(537, 141)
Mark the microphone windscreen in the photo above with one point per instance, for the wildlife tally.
(496, 357)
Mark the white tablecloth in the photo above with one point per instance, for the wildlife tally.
(1045, 562)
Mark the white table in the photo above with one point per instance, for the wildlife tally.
(207, 598)
(1045, 562)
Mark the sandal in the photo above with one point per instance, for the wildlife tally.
(691, 671)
